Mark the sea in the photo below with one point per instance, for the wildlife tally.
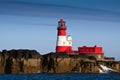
(65, 76)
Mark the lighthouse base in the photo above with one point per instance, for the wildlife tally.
(66, 49)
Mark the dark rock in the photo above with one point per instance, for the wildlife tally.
(57, 55)
(20, 61)
(30, 61)
(8, 66)
(21, 53)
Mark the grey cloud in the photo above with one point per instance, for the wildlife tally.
(54, 10)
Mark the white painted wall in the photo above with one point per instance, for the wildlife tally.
(64, 41)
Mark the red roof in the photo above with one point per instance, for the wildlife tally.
(61, 20)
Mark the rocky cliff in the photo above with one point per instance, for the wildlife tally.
(20, 61)
(61, 62)
(30, 61)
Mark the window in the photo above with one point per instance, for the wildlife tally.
(69, 42)
(61, 24)
(63, 43)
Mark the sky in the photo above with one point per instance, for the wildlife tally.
(32, 24)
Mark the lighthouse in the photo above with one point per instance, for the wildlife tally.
(64, 43)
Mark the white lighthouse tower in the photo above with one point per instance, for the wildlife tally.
(64, 43)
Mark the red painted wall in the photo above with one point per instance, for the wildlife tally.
(67, 49)
(62, 31)
(90, 50)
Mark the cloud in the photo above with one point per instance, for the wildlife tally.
(57, 10)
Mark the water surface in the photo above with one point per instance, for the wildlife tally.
(65, 76)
